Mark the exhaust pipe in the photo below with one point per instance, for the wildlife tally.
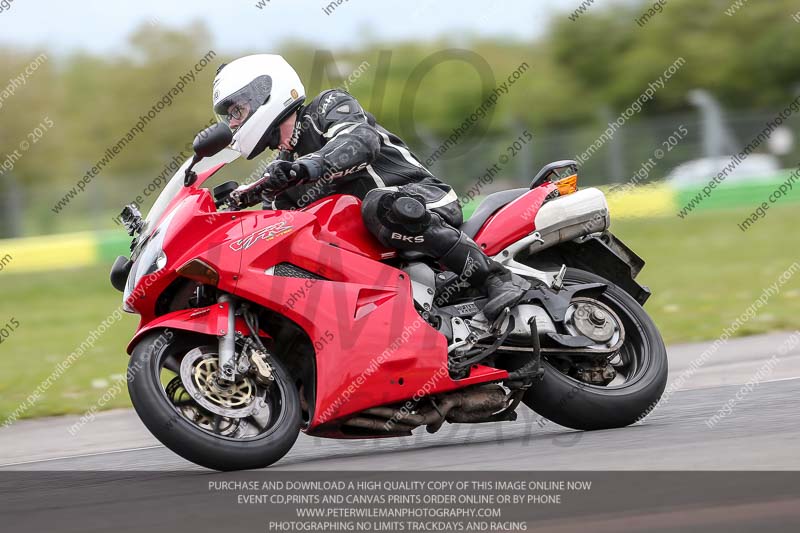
(462, 406)
(374, 424)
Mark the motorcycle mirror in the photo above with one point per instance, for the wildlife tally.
(207, 143)
(212, 140)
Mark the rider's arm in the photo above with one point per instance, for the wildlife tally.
(352, 141)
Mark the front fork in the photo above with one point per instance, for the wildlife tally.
(227, 342)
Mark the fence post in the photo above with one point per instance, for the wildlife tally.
(616, 157)
(10, 207)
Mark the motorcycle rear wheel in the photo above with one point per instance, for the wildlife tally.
(579, 405)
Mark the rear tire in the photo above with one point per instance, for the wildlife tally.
(190, 441)
(578, 405)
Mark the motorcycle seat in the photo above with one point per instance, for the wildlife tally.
(489, 206)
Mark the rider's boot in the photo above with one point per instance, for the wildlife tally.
(503, 287)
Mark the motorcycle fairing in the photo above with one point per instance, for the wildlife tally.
(357, 312)
(512, 222)
(211, 320)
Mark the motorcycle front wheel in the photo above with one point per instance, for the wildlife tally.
(174, 388)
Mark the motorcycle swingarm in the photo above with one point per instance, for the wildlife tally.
(555, 302)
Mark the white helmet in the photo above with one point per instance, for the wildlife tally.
(257, 92)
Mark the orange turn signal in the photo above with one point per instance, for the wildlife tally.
(199, 271)
(567, 185)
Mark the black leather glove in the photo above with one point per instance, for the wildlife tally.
(308, 168)
(246, 196)
(280, 178)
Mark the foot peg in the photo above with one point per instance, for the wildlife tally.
(558, 279)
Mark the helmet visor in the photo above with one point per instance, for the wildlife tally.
(236, 109)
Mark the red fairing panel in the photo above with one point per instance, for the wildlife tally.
(212, 320)
(372, 347)
(204, 233)
(512, 222)
(341, 224)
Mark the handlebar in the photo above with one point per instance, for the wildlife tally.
(249, 195)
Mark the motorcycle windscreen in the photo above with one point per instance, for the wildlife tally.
(175, 185)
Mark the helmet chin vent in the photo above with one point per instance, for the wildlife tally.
(272, 137)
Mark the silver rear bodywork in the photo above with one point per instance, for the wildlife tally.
(576, 215)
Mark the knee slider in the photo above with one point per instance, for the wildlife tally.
(409, 210)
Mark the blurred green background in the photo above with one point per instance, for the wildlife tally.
(581, 75)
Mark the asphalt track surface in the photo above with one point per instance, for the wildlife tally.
(761, 432)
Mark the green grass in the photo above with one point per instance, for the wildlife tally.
(56, 311)
(703, 271)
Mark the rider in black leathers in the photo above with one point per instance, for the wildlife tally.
(335, 147)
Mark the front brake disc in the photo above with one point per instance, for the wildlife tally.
(199, 372)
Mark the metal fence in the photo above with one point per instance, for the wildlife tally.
(27, 210)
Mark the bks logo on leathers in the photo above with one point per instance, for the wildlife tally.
(408, 238)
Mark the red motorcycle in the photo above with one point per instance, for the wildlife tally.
(259, 324)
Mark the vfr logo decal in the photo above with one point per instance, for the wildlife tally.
(264, 234)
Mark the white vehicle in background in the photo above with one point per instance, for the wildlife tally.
(757, 168)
